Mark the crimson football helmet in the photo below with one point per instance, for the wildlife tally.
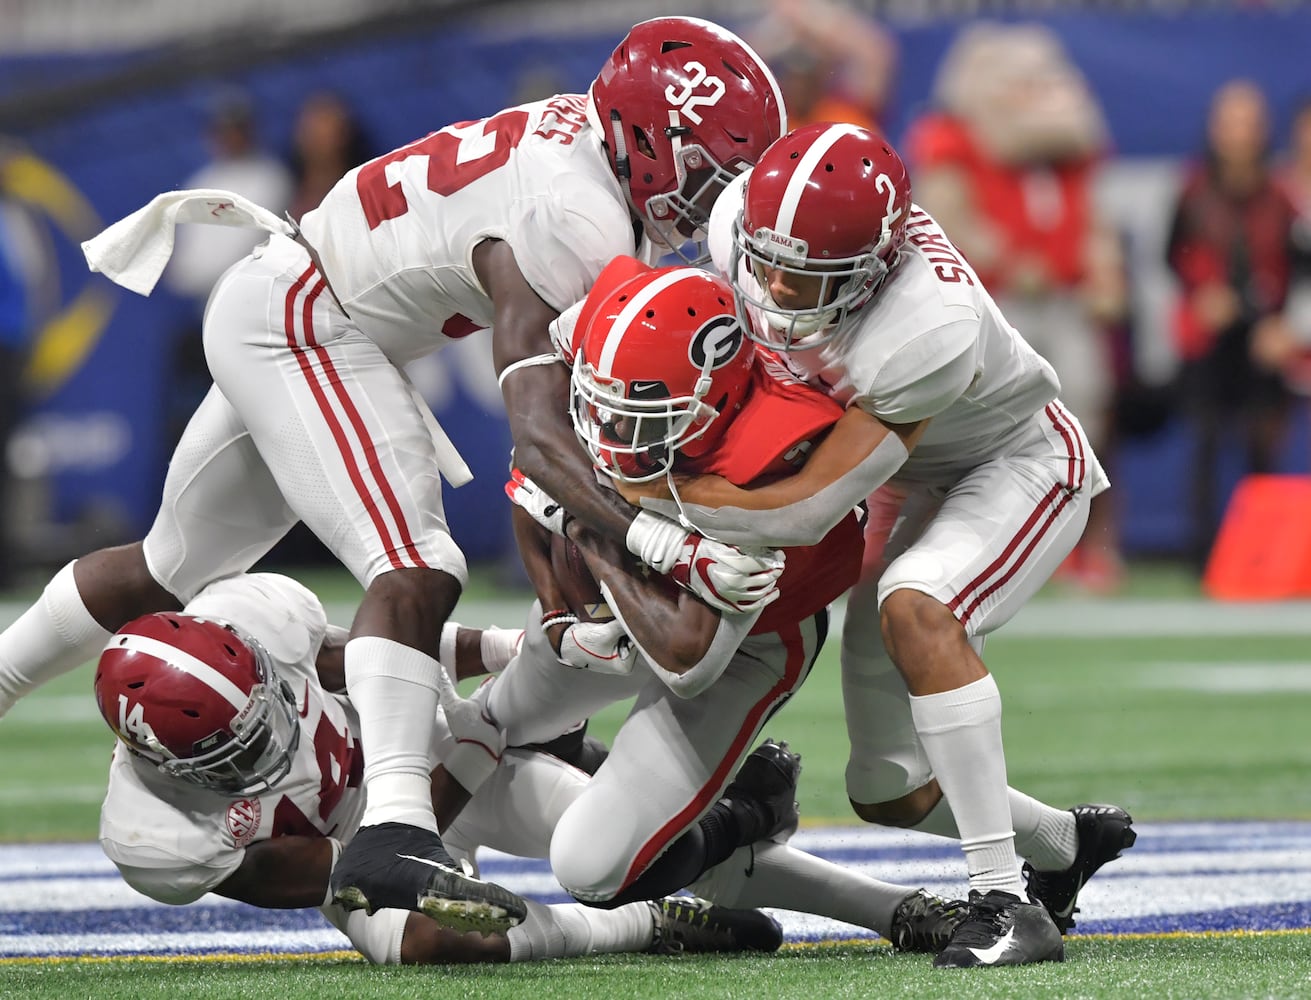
(828, 202)
(200, 701)
(683, 106)
(660, 370)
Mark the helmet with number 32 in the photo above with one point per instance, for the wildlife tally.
(827, 205)
(660, 370)
(683, 106)
(200, 701)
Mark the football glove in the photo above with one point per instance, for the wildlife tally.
(601, 647)
(724, 576)
(537, 502)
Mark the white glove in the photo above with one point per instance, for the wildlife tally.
(722, 575)
(537, 502)
(727, 578)
(601, 647)
(479, 741)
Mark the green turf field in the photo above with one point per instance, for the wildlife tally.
(1157, 700)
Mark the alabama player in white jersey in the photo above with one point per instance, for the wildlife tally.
(978, 482)
(500, 222)
(237, 772)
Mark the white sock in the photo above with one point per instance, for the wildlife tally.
(1045, 837)
(960, 731)
(781, 876)
(568, 930)
(52, 637)
(394, 690)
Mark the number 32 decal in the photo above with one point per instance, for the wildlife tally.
(685, 100)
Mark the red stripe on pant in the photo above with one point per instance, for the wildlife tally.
(793, 670)
(1076, 469)
(304, 355)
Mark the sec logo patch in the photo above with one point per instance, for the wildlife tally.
(243, 821)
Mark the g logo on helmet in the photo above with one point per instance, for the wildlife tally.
(718, 341)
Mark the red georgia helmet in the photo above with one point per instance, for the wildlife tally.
(828, 199)
(200, 701)
(660, 369)
(683, 106)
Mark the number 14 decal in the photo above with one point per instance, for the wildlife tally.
(455, 157)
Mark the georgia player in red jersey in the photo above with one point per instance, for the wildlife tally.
(978, 482)
(663, 378)
(497, 223)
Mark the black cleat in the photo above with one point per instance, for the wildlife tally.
(763, 794)
(395, 866)
(1103, 832)
(924, 922)
(685, 924)
(1002, 929)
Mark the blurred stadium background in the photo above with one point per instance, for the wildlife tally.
(103, 105)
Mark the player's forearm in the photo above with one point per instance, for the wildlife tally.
(282, 873)
(672, 626)
(859, 455)
(547, 451)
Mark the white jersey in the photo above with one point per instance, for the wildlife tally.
(931, 343)
(396, 235)
(174, 841)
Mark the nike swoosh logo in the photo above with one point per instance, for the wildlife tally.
(304, 708)
(425, 861)
(989, 956)
(1065, 911)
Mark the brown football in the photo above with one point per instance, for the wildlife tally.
(576, 581)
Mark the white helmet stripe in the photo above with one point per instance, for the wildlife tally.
(787, 209)
(187, 663)
(626, 316)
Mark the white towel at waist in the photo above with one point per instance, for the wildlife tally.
(134, 250)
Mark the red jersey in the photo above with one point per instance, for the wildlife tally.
(770, 437)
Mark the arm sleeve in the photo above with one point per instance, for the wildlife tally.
(377, 937)
(732, 630)
(171, 882)
(803, 523)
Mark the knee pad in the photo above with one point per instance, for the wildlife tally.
(887, 779)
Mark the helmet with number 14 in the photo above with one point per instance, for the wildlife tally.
(200, 701)
(683, 106)
(823, 221)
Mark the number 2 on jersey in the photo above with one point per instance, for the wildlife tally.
(455, 157)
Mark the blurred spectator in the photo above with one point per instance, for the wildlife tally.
(1282, 343)
(15, 334)
(237, 163)
(1229, 248)
(327, 140)
(1006, 162)
(833, 63)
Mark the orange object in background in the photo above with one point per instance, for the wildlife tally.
(1263, 550)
